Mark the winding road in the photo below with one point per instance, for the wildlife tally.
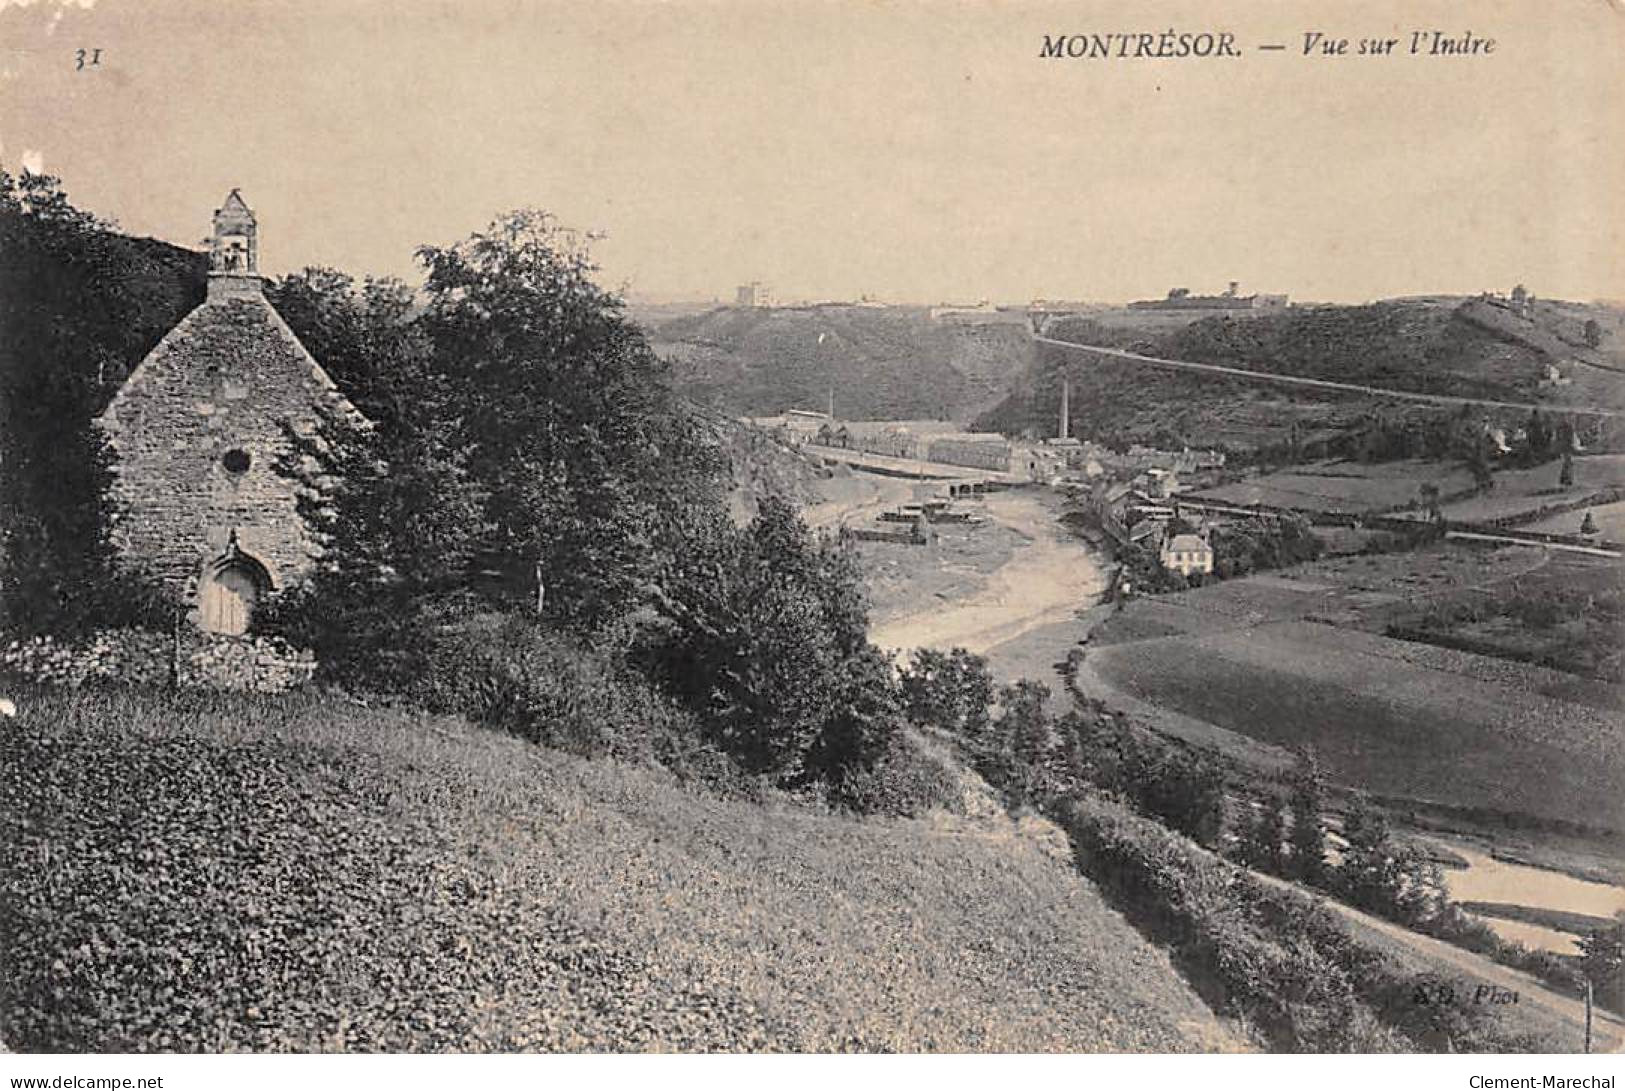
(1326, 384)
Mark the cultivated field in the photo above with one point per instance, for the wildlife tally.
(1398, 718)
(1354, 591)
(1300, 657)
(218, 873)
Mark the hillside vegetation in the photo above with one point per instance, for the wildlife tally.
(761, 465)
(884, 363)
(1402, 345)
(208, 873)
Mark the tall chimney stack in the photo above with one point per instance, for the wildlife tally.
(1066, 406)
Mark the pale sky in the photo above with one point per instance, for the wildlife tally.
(907, 150)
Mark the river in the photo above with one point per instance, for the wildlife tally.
(1048, 579)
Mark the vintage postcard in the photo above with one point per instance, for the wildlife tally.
(715, 526)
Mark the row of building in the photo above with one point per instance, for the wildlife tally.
(1131, 515)
(977, 450)
(1049, 461)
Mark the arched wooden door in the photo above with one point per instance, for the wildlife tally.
(228, 600)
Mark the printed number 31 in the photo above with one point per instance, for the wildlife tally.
(94, 55)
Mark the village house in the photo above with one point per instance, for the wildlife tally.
(1187, 553)
(197, 432)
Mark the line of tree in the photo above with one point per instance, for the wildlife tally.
(1282, 827)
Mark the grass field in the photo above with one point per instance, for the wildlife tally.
(1299, 657)
(1344, 486)
(1608, 518)
(217, 873)
(1517, 492)
(1362, 592)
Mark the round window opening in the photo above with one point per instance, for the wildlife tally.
(236, 461)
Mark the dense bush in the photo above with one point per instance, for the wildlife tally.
(518, 676)
(761, 631)
(1275, 979)
(1260, 544)
(83, 305)
(1182, 787)
(950, 690)
(1144, 572)
(1396, 881)
(1014, 741)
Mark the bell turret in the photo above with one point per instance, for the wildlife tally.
(234, 254)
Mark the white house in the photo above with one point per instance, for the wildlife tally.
(1187, 553)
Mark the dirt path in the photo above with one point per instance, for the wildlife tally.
(1048, 579)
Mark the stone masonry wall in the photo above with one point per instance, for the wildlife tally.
(135, 657)
(227, 378)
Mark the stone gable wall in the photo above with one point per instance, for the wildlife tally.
(228, 377)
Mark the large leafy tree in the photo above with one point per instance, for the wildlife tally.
(388, 497)
(521, 432)
(83, 304)
(588, 464)
(762, 630)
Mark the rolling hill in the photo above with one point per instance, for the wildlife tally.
(1464, 348)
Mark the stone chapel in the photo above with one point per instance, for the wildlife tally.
(197, 431)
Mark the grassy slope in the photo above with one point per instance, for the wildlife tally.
(885, 363)
(214, 872)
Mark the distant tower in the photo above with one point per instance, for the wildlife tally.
(1066, 406)
(234, 251)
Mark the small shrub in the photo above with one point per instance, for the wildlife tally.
(905, 781)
